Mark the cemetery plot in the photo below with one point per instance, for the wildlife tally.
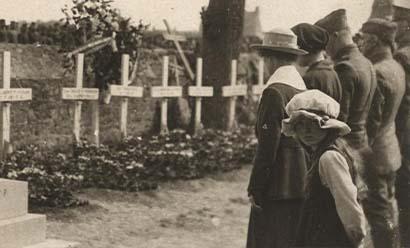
(198, 92)
(79, 94)
(8, 95)
(124, 91)
(164, 92)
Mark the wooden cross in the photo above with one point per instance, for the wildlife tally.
(233, 91)
(258, 89)
(124, 91)
(165, 92)
(8, 95)
(198, 92)
(79, 94)
(176, 39)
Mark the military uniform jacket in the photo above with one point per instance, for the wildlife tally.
(279, 166)
(403, 115)
(323, 77)
(358, 81)
(386, 101)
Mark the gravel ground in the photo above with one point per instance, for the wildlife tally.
(205, 213)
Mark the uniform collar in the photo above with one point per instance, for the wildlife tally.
(321, 65)
(287, 75)
(347, 50)
(379, 55)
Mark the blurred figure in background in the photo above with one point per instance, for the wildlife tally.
(402, 18)
(320, 73)
(378, 46)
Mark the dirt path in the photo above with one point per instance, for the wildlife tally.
(205, 213)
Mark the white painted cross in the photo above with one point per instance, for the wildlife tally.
(80, 94)
(199, 91)
(165, 92)
(233, 91)
(8, 95)
(258, 89)
(124, 91)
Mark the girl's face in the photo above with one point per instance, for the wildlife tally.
(309, 132)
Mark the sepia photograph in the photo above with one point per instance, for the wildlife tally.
(204, 124)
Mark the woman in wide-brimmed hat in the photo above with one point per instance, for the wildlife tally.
(279, 169)
(331, 215)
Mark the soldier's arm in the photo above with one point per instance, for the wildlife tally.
(268, 127)
(376, 112)
(347, 77)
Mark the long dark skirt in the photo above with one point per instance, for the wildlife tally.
(275, 226)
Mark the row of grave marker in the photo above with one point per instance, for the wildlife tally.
(124, 91)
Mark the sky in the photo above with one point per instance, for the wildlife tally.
(184, 14)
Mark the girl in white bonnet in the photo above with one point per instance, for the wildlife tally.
(331, 214)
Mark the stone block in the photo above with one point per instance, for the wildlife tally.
(22, 231)
(13, 199)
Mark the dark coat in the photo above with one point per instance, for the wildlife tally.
(320, 224)
(323, 77)
(386, 101)
(358, 81)
(403, 115)
(279, 165)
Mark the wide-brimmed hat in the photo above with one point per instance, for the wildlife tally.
(280, 40)
(314, 105)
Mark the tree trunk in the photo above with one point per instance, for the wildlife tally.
(382, 9)
(222, 25)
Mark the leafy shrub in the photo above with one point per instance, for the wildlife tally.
(133, 165)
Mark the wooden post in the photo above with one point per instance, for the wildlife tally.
(79, 94)
(258, 89)
(198, 92)
(176, 39)
(124, 91)
(8, 95)
(233, 91)
(124, 102)
(164, 92)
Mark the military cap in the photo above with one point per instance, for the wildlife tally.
(401, 10)
(402, 4)
(333, 22)
(311, 38)
(383, 29)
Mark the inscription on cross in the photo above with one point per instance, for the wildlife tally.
(79, 94)
(233, 91)
(8, 95)
(198, 92)
(124, 91)
(165, 92)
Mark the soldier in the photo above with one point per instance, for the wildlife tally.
(356, 76)
(23, 34)
(33, 35)
(13, 32)
(402, 18)
(276, 184)
(320, 73)
(3, 33)
(378, 46)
